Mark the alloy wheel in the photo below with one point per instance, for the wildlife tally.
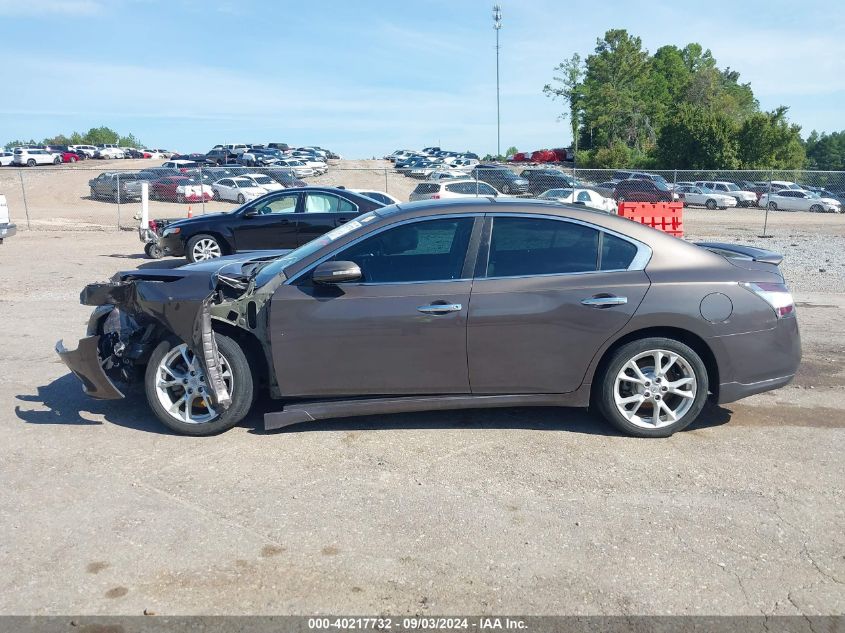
(655, 388)
(181, 386)
(206, 248)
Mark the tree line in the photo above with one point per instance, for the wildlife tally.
(677, 109)
(95, 136)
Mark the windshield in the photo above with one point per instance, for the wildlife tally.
(733, 187)
(262, 180)
(558, 193)
(244, 182)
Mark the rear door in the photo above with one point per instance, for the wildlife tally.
(321, 212)
(548, 293)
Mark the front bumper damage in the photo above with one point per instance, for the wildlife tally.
(141, 308)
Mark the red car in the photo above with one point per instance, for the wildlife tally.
(69, 157)
(543, 156)
(180, 189)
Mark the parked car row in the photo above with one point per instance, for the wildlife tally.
(33, 155)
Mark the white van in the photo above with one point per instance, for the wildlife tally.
(7, 229)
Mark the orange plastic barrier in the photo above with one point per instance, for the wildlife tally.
(665, 216)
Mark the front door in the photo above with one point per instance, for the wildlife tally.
(273, 224)
(400, 330)
(546, 304)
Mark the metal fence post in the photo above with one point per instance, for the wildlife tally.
(117, 196)
(768, 204)
(202, 191)
(385, 181)
(25, 205)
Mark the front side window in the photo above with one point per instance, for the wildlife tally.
(327, 203)
(428, 250)
(282, 204)
(584, 196)
(532, 246)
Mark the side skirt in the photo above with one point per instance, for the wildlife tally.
(298, 412)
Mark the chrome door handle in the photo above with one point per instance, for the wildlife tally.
(440, 308)
(604, 302)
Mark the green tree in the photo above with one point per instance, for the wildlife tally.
(568, 87)
(511, 151)
(767, 140)
(101, 136)
(698, 138)
(826, 151)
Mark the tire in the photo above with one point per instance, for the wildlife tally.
(153, 250)
(773, 206)
(30, 162)
(817, 208)
(94, 195)
(241, 198)
(215, 195)
(57, 160)
(710, 204)
(506, 189)
(172, 354)
(203, 247)
(180, 199)
(612, 387)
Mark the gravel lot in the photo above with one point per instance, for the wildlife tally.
(537, 511)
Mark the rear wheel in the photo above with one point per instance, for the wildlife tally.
(817, 208)
(652, 387)
(710, 204)
(57, 160)
(203, 247)
(30, 162)
(178, 393)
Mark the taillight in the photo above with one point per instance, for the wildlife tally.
(776, 295)
(153, 225)
(435, 196)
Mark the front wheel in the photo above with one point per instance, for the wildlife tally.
(710, 204)
(241, 198)
(153, 250)
(57, 160)
(773, 206)
(652, 387)
(177, 389)
(817, 208)
(203, 247)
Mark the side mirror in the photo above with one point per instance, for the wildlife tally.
(330, 273)
(251, 213)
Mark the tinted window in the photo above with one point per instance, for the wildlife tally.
(485, 190)
(429, 250)
(326, 203)
(583, 196)
(616, 253)
(428, 188)
(530, 246)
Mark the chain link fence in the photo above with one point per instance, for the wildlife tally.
(108, 195)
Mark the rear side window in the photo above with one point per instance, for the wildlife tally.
(532, 246)
(616, 253)
(426, 187)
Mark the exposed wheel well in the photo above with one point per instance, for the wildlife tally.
(684, 336)
(251, 347)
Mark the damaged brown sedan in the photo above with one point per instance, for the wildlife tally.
(447, 305)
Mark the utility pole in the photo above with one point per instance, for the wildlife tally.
(497, 26)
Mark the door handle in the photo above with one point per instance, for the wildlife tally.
(440, 308)
(342, 220)
(604, 302)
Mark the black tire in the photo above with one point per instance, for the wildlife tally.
(817, 208)
(241, 198)
(243, 392)
(94, 195)
(57, 160)
(773, 206)
(189, 247)
(215, 195)
(180, 199)
(603, 395)
(30, 162)
(153, 250)
(506, 189)
(710, 204)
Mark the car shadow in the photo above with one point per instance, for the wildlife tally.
(572, 419)
(65, 402)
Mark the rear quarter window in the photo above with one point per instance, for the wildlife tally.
(616, 253)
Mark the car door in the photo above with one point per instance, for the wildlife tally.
(548, 293)
(400, 330)
(268, 223)
(321, 212)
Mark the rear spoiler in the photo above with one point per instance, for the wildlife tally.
(737, 251)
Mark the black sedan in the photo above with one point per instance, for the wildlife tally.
(540, 180)
(281, 219)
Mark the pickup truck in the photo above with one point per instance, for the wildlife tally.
(7, 229)
(107, 185)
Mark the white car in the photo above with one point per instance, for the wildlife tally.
(318, 166)
(33, 157)
(7, 228)
(179, 164)
(380, 196)
(109, 152)
(691, 194)
(164, 153)
(263, 181)
(587, 197)
(238, 190)
(6, 158)
(466, 188)
(446, 174)
(297, 166)
(463, 164)
(743, 198)
(88, 150)
(799, 200)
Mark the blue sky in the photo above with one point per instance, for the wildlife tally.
(364, 77)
